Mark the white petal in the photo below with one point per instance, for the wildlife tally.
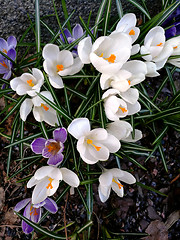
(165, 53)
(97, 134)
(109, 93)
(50, 51)
(118, 190)
(43, 172)
(50, 116)
(133, 108)
(73, 69)
(127, 21)
(102, 154)
(84, 49)
(55, 174)
(137, 137)
(105, 81)
(25, 108)
(151, 69)
(22, 89)
(79, 127)
(130, 96)
(38, 75)
(32, 181)
(50, 67)
(70, 177)
(15, 82)
(105, 178)
(105, 190)
(112, 143)
(40, 191)
(56, 81)
(55, 185)
(65, 58)
(120, 129)
(38, 113)
(135, 49)
(123, 175)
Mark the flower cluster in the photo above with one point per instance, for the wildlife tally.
(111, 57)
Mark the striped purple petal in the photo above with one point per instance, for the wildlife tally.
(77, 31)
(25, 227)
(51, 205)
(56, 159)
(12, 54)
(38, 145)
(67, 34)
(60, 134)
(3, 45)
(35, 214)
(12, 42)
(20, 205)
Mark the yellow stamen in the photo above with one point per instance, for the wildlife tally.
(4, 64)
(53, 147)
(101, 55)
(123, 109)
(33, 210)
(4, 50)
(59, 67)
(44, 106)
(129, 82)
(159, 44)
(35, 213)
(50, 183)
(31, 84)
(132, 32)
(89, 141)
(119, 184)
(111, 59)
(175, 47)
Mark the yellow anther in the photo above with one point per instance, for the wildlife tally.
(89, 141)
(132, 32)
(33, 211)
(111, 59)
(59, 67)
(4, 64)
(53, 147)
(44, 106)
(129, 82)
(101, 55)
(160, 44)
(30, 83)
(123, 109)
(175, 47)
(4, 50)
(50, 183)
(119, 184)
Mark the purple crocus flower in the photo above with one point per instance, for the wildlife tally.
(51, 148)
(5, 46)
(77, 32)
(33, 211)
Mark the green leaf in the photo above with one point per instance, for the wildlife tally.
(119, 8)
(66, 14)
(140, 8)
(150, 189)
(107, 17)
(38, 29)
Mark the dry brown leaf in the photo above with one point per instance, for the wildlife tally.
(173, 217)
(157, 231)
(10, 217)
(2, 197)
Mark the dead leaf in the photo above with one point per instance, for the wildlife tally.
(173, 217)
(157, 231)
(2, 197)
(10, 217)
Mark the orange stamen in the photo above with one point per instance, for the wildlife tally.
(159, 44)
(111, 59)
(129, 82)
(175, 47)
(50, 184)
(101, 55)
(30, 83)
(119, 184)
(4, 64)
(59, 67)
(53, 147)
(123, 109)
(44, 106)
(89, 141)
(4, 50)
(35, 213)
(132, 32)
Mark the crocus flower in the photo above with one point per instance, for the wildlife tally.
(41, 110)
(51, 148)
(33, 211)
(46, 181)
(175, 44)
(122, 131)
(93, 145)
(5, 46)
(131, 73)
(154, 47)
(110, 178)
(116, 107)
(6, 65)
(77, 33)
(59, 63)
(28, 83)
(108, 53)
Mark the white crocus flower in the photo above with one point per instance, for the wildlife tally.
(116, 107)
(111, 179)
(127, 25)
(155, 48)
(28, 83)
(59, 63)
(175, 44)
(41, 110)
(46, 181)
(108, 53)
(131, 73)
(93, 145)
(122, 130)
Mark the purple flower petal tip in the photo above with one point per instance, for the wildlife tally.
(51, 205)
(60, 134)
(20, 205)
(55, 160)
(26, 228)
(38, 145)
